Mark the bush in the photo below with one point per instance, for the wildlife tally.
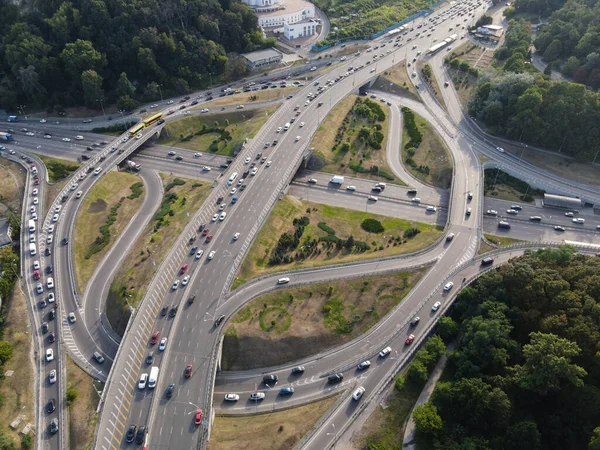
(136, 190)
(326, 228)
(372, 226)
(172, 184)
(71, 396)
(411, 232)
(26, 442)
(103, 240)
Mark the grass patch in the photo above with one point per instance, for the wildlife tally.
(246, 98)
(345, 222)
(83, 400)
(395, 80)
(58, 169)
(352, 141)
(16, 391)
(106, 211)
(216, 133)
(271, 431)
(484, 247)
(294, 323)
(500, 184)
(501, 240)
(425, 156)
(432, 81)
(12, 178)
(140, 265)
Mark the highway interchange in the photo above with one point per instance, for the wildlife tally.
(192, 336)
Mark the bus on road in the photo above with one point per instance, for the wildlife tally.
(136, 129)
(152, 119)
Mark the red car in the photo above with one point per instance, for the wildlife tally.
(205, 231)
(36, 181)
(36, 275)
(155, 336)
(208, 238)
(183, 269)
(198, 417)
(409, 339)
(188, 371)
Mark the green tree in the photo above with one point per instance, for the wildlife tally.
(349, 244)
(523, 436)
(72, 395)
(92, 88)
(126, 103)
(124, 87)
(447, 328)
(548, 363)
(595, 440)
(417, 373)
(427, 420)
(81, 56)
(6, 351)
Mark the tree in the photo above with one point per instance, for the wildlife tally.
(435, 347)
(548, 363)
(81, 56)
(427, 420)
(6, 351)
(417, 373)
(349, 244)
(92, 88)
(364, 134)
(595, 440)
(126, 103)
(124, 87)
(447, 328)
(522, 436)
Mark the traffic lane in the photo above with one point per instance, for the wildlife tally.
(553, 215)
(539, 231)
(162, 151)
(175, 167)
(359, 201)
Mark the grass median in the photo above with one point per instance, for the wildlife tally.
(395, 80)
(12, 177)
(58, 169)
(105, 213)
(271, 431)
(246, 98)
(181, 200)
(82, 400)
(319, 242)
(221, 133)
(290, 324)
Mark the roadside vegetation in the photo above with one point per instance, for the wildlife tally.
(12, 177)
(500, 241)
(221, 133)
(82, 400)
(432, 82)
(247, 98)
(352, 140)
(270, 431)
(290, 324)
(526, 366)
(182, 196)
(396, 81)
(424, 153)
(106, 211)
(58, 169)
(499, 184)
(303, 234)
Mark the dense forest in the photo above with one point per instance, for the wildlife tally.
(526, 371)
(517, 102)
(59, 53)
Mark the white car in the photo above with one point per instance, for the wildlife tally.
(206, 169)
(49, 355)
(34, 192)
(175, 285)
(73, 186)
(222, 216)
(32, 209)
(236, 236)
(36, 265)
(79, 137)
(578, 220)
(31, 133)
(214, 218)
(43, 120)
(233, 191)
(185, 280)
(39, 288)
(240, 181)
(211, 255)
(197, 155)
(436, 306)
(35, 201)
(247, 161)
(52, 377)
(222, 206)
(57, 208)
(66, 139)
(72, 317)
(51, 297)
(55, 218)
(232, 397)
(153, 106)
(512, 211)
(143, 380)
(163, 344)
(279, 129)
(386, 351)
(47, 136)
(569, 214)
(491, 212)
(51, 228)
(50, 282)
(449, 285)
(125, 139)
(301, 124)
(79, 194)
(372, 198)
(199, 254)
(240, 106)
(254, 171)
(257, 396)
(98, 170)
(34, 216)
(358, 393)
(268, 164)
(297, 138)
(170, 102)
(351, 188)
(364, 365)
(49, 239)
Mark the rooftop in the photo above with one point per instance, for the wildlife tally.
(4, 237)
(287, 7)
(259, 55)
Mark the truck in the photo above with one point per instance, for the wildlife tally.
(133, 165)
(31, 226)
(337, 179)
(12, 119)
(395, 31)
(153, 378)
(5, 136)
(32, 249)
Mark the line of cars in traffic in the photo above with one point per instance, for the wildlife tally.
(514, 210)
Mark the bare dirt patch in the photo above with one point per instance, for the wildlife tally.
(97, 207)
(396, 81)
(294, 323)
(82, 410)
(251, 97)
(273, 431)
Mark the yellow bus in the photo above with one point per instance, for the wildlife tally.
(152, 119)
(136, 129)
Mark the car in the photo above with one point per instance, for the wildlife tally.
(79, 137)
(51, 407)
(386, 351)
(44, 327)
(199, 254)
(415, 200)
(512, 211)
(449, 285)
(222, 216)
(51, 314)
(214, 218)
(49, 355)
(231, 397)
(297, 139)
(298, 370)
(36, 274)
(256, 396)
(559, 228)
(130, 435)
(208, 238)
(206, 169)
(254, 171)
(535, 218)
(436, 306)
(156, 334)
(219, 320)
(52, 377)
(449, 237)
(312, 181)
(240, 182)
(183, 269)
(163, 344)
(364, 365)
(142, 381)
(79, 194)
(34, 192)
(236, 236)
(247, 161)
(51, 297)
(35, 200)
(175, 285)
(301, 124)
(222, 206)
(516, 207)
(98, 357)
(491, 212)
(335, 378)
(468, 211)
(170, 390)
(578, 220)
(270, 379)
(50, 283)
(150, 358)
(53, 426)
(569, 214)
(188, 371)
(268, 163)
(233, 191)
(409, 339)
(415, 321)
(211, 255)
(55, 218)
(39, 288)
(351, 188)
(98, 170)
(372, 198)
(185, 280)
(193, 249)
(358, 393)
(286, 391)
(141, 435)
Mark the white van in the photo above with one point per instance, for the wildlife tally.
(32, 249)
(232, 178)
(153, 378)
(283, 280)
(286, 126)
(31, 226)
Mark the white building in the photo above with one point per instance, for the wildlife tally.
(260, 58)
(306, 27)
(276, 13)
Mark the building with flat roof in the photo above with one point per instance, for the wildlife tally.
(306, 27)
(261, 58)
(561, 201)
(5, 232)
(275, 13)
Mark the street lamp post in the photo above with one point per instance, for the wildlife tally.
(160, 91)
(101, 101)
(22, 108)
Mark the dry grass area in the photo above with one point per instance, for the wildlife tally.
(51, 191)
(82, 411)
(343, 125)
(344, 222)
(140, 265)
(272, 431)
(396, 81)
(240, 124)
(246, 98)
(484, 247)
(502, 241)
(478, 57)
(507, 193)
(17, 391)
(12, 179)
(433, 162)
(294, 323)
(93, 214)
